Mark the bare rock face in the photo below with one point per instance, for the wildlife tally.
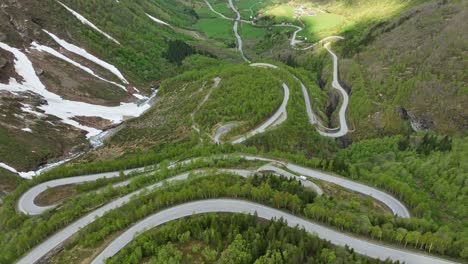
(402, 113)
(420, 123)
(3, 37)
(3, 63)
(376, 120)
(39, 71)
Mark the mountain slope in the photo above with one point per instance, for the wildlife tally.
(90, 66)
(411, 74)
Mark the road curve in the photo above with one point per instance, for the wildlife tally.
(344, 105)
(321, 129)
(222, 130)
(397, 207)
(27, 206)
(58, 238)
(26, 203)
(276, 119)
(368, 248)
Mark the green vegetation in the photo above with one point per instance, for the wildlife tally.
(8, 183)
(432, 184)
(216, 28)
(224, 238)
(249, 8)
(317, 25)
(398, 77)
(23, 232)
(402, 73)
(321, 26)
(245, 94)
(143, 42)
(25, 151)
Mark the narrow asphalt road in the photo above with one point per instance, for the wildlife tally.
(236, 31)
(276, 119)
(307, 184)
(224, 129)
(26, 202)
(368, 248)
(27, 206)
(344, 105)
(58, 238)
(322, 130)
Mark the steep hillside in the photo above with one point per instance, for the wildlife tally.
(410, 73)
(338, 125)
(70, 69)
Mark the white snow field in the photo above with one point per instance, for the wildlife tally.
(83, 53)
(59, 55)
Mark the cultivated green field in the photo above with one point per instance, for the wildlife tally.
(315, 27)
(216, 28)
(249, 8)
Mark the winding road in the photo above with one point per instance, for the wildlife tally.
(26, 202)
(58, 238)
(365, 247)
(373, 249)
(313, 119)
(276, 119)
(236, 31)
(27, 205)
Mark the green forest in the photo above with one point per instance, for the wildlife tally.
(400, 63)
(224, 238)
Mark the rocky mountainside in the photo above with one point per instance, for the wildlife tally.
(65, 76)
(72, 69)
(409, 73)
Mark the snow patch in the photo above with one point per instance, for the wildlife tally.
(8, 168)
(27, 129)
(30, 174)
(157, 20)
(28, 109)
(59, 55)
(87, 22)
(139, 96)
(83, 53)
(27, 175)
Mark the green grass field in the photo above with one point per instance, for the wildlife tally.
(221, 6)
(250, 32)
(216, 28)
(323, 25)
(315, 27)
(249, 8)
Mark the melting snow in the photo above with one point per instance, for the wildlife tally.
(87, 22)
(157, 20)
(61, 108)
(30, 174)
(83, 53)
(139, 96)
(27, 175)
(28, 109)
(59, 55)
